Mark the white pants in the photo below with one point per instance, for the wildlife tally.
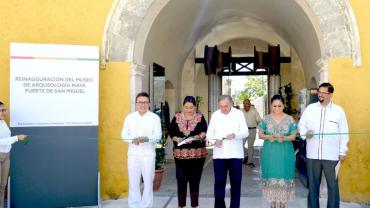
(138, 166)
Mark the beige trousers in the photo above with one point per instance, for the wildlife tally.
(4, 172)
(250, 139)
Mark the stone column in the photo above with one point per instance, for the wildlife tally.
(274, 84)
(324, 77)
(273, 88)
(324, 70)
(188, 83)
(214, 88)
(136, 82)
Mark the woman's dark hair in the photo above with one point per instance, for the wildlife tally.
(189, 99)
(277, 97)
(1, 103)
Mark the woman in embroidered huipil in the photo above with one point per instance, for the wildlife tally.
(190, 156)
(278, 130)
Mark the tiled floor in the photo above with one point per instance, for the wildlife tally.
(250, 181)
(251, 191)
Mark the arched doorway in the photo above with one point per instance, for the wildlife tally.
(168, 32)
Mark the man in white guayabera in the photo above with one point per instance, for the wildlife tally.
(142, 129)
(325, 126)
(226, 130)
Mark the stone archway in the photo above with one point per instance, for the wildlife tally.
(135, 30)
(129, 23)
(139, 32)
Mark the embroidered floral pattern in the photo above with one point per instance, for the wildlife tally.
(277, 183)
(190, 153)
(278, 195)
(187, 126)
(282, 190)
(280, 128)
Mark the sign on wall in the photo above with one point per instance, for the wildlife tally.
(53, 85)
(54, 98)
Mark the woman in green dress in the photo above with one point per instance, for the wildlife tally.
(278, 130)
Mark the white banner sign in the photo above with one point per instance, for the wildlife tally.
(53, 85)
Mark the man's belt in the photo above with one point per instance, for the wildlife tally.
(252, 127)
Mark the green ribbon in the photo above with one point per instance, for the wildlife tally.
(25, 140)
(318, 134)
(142, 139)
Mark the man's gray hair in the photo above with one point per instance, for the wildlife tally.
(226, 97)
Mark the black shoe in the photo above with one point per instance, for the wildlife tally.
(245, 161)
(251, 165)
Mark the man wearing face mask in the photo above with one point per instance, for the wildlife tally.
(324, 151)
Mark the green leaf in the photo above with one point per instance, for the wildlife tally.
(255, 86)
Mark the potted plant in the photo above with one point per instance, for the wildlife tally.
(160, 159)
(199, 101)
(288, 91)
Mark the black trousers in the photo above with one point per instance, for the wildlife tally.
(314, 171)
(188, 171)
(221, 167)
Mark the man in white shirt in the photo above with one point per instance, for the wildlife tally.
(226, 130)
(252, 117)
(324, 151)
(142, 129)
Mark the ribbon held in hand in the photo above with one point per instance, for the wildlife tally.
(25, 140)
(327, 134)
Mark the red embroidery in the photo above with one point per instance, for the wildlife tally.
(190, 153)
(187, 126)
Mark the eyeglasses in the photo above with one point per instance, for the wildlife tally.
(143, 103)
(4, 110)
(323, 93)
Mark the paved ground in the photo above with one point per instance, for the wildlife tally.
(251, 190)
(246, 202)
